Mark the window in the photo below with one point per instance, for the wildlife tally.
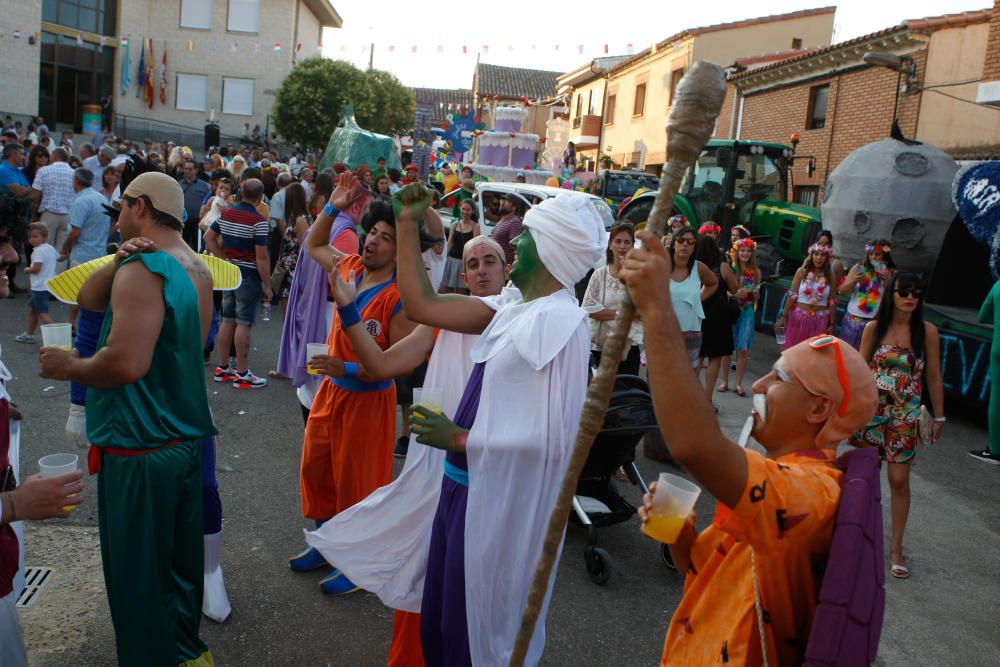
(639, 106)
(609, 113)
(196, 14)
(796, 43)
(675, 79)
(237, 96)
(818, 97)
(96, 16)
(807, 195)
(192, 92)
(244, 16)
(579, 110)
(590, 102)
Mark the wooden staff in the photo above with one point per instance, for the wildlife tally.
(692, 117)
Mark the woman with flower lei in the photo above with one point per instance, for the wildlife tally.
(810, 305)
(744, 262)
(866, 283)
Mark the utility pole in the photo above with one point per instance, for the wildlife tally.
(371, 57)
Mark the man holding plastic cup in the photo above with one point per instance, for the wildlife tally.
(775, 514)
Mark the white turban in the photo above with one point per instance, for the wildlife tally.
(569, 234)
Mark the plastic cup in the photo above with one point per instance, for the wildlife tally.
(57, 335)
(779, 335)
(54, 465)
(315, 350)
(429, 398)
(672, 504)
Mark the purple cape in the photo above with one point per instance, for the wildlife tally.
(305, 320)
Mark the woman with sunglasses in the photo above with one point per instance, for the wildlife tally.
(865, 283)
(810, 306)
(691, 283)
(901, 350)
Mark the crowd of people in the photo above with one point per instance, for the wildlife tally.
(360, 264)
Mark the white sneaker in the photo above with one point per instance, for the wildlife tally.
(24, 338)
(249, 381)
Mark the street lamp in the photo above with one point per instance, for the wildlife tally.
(901, 65)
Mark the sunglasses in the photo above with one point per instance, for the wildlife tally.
(685, 241)
(820, 342)
(904, 292)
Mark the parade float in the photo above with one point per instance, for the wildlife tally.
(355, 146)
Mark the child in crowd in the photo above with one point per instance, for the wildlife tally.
(43, 267)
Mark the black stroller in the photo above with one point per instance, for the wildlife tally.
(597, 503)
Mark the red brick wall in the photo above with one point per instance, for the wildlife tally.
(724, 123)
(859, 111)
(991, 65)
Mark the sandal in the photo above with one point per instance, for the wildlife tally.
(740, 391)
(899, 571)
(276, 375)
(722, 388)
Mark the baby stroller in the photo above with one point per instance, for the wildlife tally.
(597, 503)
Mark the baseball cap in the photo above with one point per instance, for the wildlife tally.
(164, 192)
(412, 167)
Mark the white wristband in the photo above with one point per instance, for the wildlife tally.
(940, 419)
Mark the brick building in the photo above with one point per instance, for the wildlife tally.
(836, 102)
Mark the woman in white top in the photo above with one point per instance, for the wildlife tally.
(690, 283)
(605, 293)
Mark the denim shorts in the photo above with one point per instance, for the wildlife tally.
(241, 304)
(39, 301)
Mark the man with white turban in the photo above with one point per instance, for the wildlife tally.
(514, 428)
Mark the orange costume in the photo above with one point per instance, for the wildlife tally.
(351, 431)
(786, 516)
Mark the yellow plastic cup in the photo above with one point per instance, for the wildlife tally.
(672, 504)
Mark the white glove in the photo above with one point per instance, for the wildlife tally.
(76, 426)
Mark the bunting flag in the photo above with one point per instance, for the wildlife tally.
(392, 47)
(190, 45)
(579, 49)
(17, 34)
(150, 90)
(256, 47)
(277, 47)
(298, 47)
(163, 77)
(629, 49)
(440, 49)
(126, 66)
(465, 49)
(486, 48)
(141, 72)
(413, 49)
(234, 47)
(103, 40)
(605, 49)
(79, 40)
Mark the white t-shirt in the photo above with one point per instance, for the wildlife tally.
(47, 256)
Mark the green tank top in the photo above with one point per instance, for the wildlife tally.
(171, 401)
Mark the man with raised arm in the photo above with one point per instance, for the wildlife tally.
(381, 543)
(347, 452)
(775, 514)
(147, 412)
(513, 431)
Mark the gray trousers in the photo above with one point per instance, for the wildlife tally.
(12, 651)
(58, 225)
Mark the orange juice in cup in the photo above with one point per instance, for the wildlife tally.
(673, 501)
(55, 465)
(315, 350)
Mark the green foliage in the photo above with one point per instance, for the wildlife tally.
(308, 103)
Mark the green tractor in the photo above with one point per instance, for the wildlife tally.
(743, 183)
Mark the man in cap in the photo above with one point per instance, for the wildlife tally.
(509, 226)
(775, 514)
(412, 174)
(487, 536)
(147, 411)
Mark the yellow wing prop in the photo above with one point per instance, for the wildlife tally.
(66, 285)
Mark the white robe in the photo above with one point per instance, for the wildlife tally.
(534, 386)
(381, 543)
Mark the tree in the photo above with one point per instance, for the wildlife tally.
(394, 105)
(308, 102)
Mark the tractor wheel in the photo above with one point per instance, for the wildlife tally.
(768, 260)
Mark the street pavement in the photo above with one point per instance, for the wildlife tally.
(945, 614)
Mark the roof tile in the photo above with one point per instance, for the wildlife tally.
(513, 82)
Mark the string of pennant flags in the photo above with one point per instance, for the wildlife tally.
(466, 49)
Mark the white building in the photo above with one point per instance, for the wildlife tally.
(224, 57)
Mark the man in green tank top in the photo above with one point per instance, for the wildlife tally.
(147, 410)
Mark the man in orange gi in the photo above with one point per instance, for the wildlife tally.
(351, 429)
(775, 513)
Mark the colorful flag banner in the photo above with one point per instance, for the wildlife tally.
(629, 49)
(141, 72)
(465, 49)
(277, 47)
(150, 92)
(163, 77)
(126, 78)
(486, 48)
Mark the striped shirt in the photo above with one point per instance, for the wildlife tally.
(55, 182)
(242, 229)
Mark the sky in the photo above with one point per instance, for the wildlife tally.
(525, 33)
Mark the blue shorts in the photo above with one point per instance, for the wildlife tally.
(240, 305)
(39, 301)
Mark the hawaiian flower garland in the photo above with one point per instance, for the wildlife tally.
(710, 227)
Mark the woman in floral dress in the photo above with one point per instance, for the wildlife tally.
(295, 225)
(903, 350)
(865, 283)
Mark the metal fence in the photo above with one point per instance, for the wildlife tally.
(133, 128)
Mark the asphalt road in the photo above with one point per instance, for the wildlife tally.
(945, 614)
